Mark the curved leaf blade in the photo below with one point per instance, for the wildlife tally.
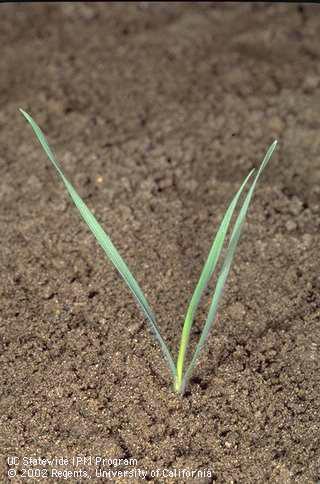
(106, 244)
(205, 277)
(236, 232)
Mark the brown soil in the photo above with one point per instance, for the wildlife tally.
(157, 112)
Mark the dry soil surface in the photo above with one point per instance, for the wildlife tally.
(157, 112)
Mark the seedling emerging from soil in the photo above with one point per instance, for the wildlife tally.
(180, 377)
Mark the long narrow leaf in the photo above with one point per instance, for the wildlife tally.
(226, 267)
(106, 244)
(205, 277)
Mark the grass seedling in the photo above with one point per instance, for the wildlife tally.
(180, 375)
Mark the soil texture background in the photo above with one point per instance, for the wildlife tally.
(157, 112)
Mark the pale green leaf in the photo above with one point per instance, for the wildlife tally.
(226, 267)
(106, 244)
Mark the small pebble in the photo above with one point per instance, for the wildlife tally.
(191, 185)
(237, 310)
(134, 327)
(165, 183)
(48, 293)
(276, 124)
(295, 206)
(291, 225)
(307, 240)
(310, 83)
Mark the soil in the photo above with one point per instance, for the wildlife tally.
(157, 112)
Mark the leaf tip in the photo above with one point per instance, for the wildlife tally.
(24, 113)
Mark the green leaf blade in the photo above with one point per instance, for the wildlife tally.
(106, 244)
(236, 232)
(205, 277)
